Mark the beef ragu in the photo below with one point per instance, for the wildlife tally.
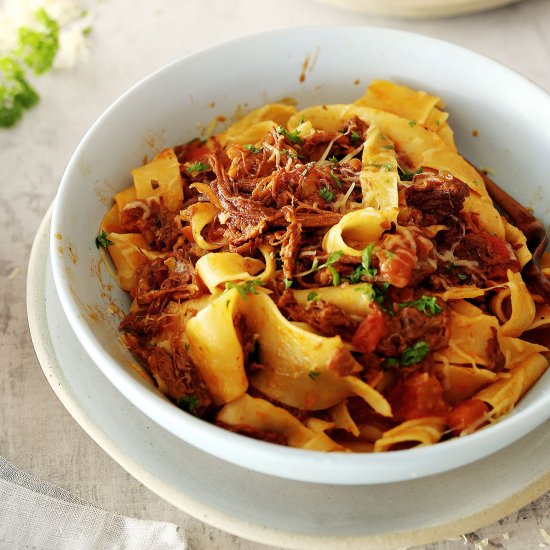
(333, 279)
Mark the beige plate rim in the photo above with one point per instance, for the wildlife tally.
(418, 9)
(47, 358)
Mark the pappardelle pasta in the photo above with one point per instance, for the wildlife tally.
(334, 279)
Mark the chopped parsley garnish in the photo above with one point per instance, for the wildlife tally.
(461, 276)
(287, 282)
(388, 147)
(198, 167)
(248, 287)
(376, 294)
(335, 178)
(189, 403)
(365, 268)
(326, 194)
(408, 176)
(387, 167)
(366, 257)
(355, 136)
(412, 123)
(103, 240)
(412, 355)
(252, 149)
(427, 305)
(293, 137)
(314, 374)
(332, 259)
(333, 159)
(312, 296)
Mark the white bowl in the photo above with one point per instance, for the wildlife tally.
(510, 114)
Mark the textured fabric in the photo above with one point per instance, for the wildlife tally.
(40, 516)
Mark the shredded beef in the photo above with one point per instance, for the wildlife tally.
(164, 279)
(408, 326)
(436, 195)
(160, 227)
(175, 373)
(494, 255)
(325, 318)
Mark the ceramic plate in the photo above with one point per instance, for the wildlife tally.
(419, 9)
(256, 506)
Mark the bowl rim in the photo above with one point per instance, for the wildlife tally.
(313, 465)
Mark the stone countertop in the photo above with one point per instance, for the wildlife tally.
(36, 432)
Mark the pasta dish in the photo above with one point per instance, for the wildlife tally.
(335, 278)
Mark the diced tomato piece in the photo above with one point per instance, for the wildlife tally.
(467, 416)
(396, 266)
(416, 396)
(499, 247)
(370, 331)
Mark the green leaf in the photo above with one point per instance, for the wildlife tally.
(314, 374)
(366, 257)
(189, 403)
(198, 167)
(427, 305)
(408, 176)
(355, 136)
(312, 296)
(248, 287)
(335, 178)
(412, 123)
(103, 240)
(411, 356)
(287, 282)
(293, 137)
(252, 149)
(326, 194)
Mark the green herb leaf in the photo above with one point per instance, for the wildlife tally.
(287, 282)
(333, 258)
(366, 257)
(103, 240)
(314, 374)
(355, 136)
(293, 137)
(189, 403)
(411, 356)
(335, 178)
(333, 159)
(198, 167)
(312, 296)
(248, 287)
(335, 275)
(412, 123)
(389, 147)
(427, 305)
(326, 194)
(408, 176)
(461, 276)
(252, 149)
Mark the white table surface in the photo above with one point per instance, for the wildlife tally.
(131, 39)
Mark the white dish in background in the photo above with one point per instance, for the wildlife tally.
(419, 9)
(262, 508)
(511, 117)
